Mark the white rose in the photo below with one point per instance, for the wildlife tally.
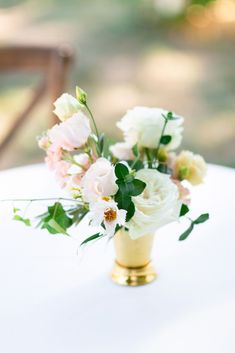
(99, 181)
(65, 106)
(72, 133)
(158, 205)
(144, 126)
(122, 151)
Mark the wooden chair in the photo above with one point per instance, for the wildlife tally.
(52, 62)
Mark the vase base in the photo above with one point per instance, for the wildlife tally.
(133, 276)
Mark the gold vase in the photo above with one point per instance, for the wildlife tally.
(133, 266)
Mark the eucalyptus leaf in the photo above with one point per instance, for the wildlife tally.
(201, 219)
(187, 232)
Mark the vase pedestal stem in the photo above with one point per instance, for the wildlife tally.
(133, 266)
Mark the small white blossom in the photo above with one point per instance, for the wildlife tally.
(105, 211)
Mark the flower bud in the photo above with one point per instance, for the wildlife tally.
(81, 95)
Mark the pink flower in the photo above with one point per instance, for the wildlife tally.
(184, 193)
(53, 157)
(72, 133)
(99, 181)
(61, 172)
(44, 143)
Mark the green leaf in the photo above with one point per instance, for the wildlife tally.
(187, 232)
(53, 224)
(201, 219)
(184, 210)
(135, 150)
(137, 165)
(101, 142)
(130, 211)
(139, 187)
(92, 237)
(77, 213)
(170, 115)
(165, 139)
(122, 200)
(15, 210)
(56, 220)
(26, 221)
(132, 188)
(121, 170)
(128, 178)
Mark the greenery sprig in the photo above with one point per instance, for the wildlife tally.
(201, 219)
(128, 186)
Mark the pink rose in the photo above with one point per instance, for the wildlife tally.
(72, 133)
(99, 181)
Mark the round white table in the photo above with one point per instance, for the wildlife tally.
(55, 298)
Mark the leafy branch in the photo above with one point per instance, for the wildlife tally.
(201, 219)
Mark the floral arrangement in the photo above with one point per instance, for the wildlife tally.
(140, 184)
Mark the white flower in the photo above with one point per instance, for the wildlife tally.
(72, 133)
(144, 126)
(99, 181)
(105, 211)
(65, 106)
(122, 151)
(158, 205)
(189, 166)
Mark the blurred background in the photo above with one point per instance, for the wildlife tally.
(174, 54)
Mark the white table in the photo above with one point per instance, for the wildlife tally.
(53, 301)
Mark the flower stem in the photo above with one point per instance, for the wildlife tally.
(93, 120)
(96, 129)
(40, 199)
(149, 160)
(162, 133)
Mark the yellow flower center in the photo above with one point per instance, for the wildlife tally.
(110, 214)
(105, 198)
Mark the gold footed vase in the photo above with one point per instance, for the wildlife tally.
(133, 266)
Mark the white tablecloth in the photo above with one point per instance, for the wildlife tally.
(53, 300)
